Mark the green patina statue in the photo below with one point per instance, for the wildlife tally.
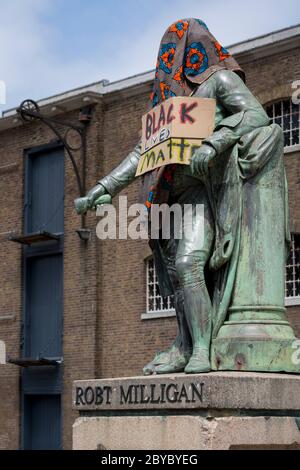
(228, 295)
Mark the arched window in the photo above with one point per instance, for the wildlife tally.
(287, 115)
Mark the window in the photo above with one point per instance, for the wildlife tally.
(156, 304)
(159, 307)
(287, 115)
(292, 282)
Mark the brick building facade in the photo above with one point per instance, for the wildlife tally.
(107, 329)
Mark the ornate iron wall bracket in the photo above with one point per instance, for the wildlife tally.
(29, 111)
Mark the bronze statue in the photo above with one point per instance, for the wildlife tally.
(229, 296)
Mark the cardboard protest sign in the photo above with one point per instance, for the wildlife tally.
(173, 130)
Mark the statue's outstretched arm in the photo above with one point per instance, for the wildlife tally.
(111, 184)
(123, 174)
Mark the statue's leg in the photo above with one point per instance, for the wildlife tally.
(175, 358)
(192, 255)
(183, 340)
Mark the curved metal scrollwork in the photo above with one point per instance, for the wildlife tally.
(29, 111)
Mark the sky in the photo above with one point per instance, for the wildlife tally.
(50, 46)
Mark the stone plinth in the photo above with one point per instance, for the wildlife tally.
(219, 410)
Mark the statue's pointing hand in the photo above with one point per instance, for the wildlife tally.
(95, 197)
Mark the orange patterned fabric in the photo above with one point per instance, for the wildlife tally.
(188, 55)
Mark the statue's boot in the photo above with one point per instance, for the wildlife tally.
(169, 361)
(160, 358)
(176, 357)
(177, 363)
(199, 362)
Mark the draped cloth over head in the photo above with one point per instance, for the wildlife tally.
(188, 55)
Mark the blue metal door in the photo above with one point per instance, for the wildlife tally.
(42, 422)
(45, 191)
(44, 306)
(43, 299)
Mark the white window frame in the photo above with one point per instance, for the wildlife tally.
(156, 313)
(291, 129)
(293, 300)
(170, 312)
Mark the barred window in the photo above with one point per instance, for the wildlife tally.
(155, 302)
(287, 115)
(292, 281)
(158, 305)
